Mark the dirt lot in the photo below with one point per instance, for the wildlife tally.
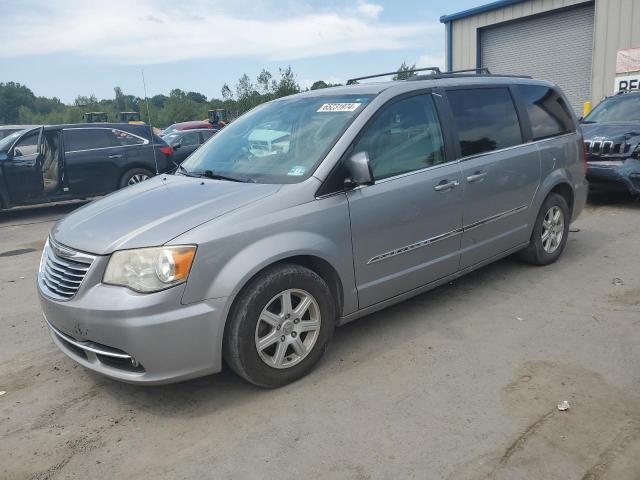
(458, 383)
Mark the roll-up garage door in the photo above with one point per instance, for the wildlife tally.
(556, 46)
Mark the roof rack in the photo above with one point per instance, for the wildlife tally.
(436, 71)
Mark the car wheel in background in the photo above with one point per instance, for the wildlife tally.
(550, 232)
(135, 175)
(279, 326)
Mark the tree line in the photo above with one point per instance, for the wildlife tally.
(19, 105)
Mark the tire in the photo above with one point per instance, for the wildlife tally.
(135, 175)
(262, 300)
(546, 251)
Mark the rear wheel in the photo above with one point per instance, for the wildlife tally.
(550, 232)
(280, 326)
(134, 176)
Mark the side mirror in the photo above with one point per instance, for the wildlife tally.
(580, 119)
(359, 169)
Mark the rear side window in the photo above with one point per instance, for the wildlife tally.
(87, 139)
(125, 138)
(405, 136)
(189, 139)
(486, 119)
(548, 113)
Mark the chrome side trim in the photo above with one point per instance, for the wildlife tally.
(413, 246)
(87, 346)
(495, 217)
(443, 236)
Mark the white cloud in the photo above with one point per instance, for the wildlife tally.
(431, 60)
(155, 31)
(370, 10)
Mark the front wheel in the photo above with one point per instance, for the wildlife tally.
(550, 232)
(134, 176)
(280, 326)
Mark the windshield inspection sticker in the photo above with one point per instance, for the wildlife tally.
(339, 107)
(297, 171)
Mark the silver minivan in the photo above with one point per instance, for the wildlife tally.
(306, 213)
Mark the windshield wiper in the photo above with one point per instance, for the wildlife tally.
(217, 176)
(184, 171)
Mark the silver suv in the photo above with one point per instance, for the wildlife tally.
(309, 212)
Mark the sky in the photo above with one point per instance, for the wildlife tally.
(66, 48)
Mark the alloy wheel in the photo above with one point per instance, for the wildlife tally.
(288, 328)
(137, 178)
(552, 229)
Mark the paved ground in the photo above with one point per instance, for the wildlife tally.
(458, 383)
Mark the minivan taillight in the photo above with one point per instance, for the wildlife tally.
(167, 150)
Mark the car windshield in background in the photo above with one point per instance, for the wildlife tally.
(7, 141)
(279, 142)
(623, 108)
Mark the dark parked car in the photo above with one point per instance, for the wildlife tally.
(185, 142)
(612, 142)
(192, 125)
(63, 162)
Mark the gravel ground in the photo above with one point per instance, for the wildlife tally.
(459, 383)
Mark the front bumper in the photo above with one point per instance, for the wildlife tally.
(623, 172)
(144, 339)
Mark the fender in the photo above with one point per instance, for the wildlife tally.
(234, 274)
(550, 181)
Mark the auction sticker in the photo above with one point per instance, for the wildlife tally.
(339, 107)
(297, 171)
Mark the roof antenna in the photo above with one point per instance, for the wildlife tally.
(146, 100)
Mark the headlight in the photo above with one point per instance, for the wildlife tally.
(150, 269)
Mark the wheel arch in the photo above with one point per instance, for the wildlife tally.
(133, 166)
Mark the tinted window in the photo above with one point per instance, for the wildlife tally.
(404, 136)
(486, 119)
(87, 139)
(547, 111)
(27, 145)
(207, 135)
(125, 138)
(191, 138)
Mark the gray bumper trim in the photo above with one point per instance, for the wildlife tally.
(89, 346)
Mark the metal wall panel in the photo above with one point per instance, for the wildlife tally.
(555, 46)
(465, 30)
(617, 27)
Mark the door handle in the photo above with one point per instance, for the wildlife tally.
(115, 156)
(446, 185)
(477, 177)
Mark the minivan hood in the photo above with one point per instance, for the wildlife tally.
(153, 212)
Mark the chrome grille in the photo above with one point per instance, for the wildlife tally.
(62, 270)
(606, 148)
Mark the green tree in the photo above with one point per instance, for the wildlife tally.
(12, 97)
(287, 84)
(404, 72)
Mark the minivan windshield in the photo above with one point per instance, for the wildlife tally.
(278, 142)
(6, 142)
(623, 108)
